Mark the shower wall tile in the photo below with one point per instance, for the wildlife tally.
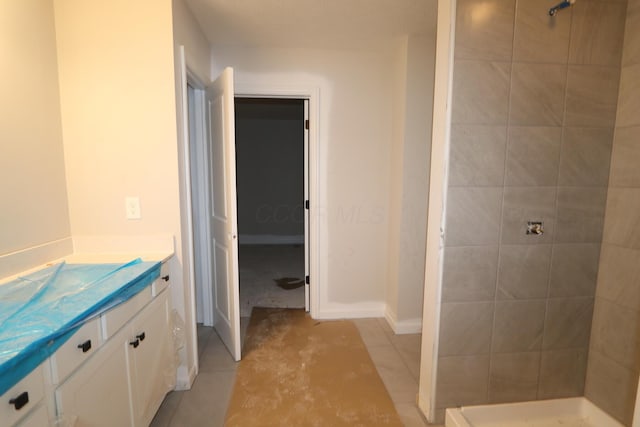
(518, 326)
(477, 155)
(629, 102)
(462, 380)
(624, 158)
(539, 37)
(465, 328)
(535, 104)
(567, 323)
(616, 333)
(469, 273)
(619, 276)
(574, 270)
(597, 33)
(585, 157)
(473, 216)
(513, 377)
(480, 92)
(580, 214)
(484, 29)
(537, 94)
(622, 225)
(562, 373)
(631, 54)
(523, 272)
(592, 95)
(611, 387)
(522, 204)
(532, 156)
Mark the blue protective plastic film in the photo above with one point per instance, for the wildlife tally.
(40, 312)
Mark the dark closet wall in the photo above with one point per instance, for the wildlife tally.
(270, 172)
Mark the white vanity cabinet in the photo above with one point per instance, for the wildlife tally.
(124, 382)
(150, 352)
(98, 392)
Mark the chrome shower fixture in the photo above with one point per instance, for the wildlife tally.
(556, 8)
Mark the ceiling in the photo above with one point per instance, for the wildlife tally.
(312, 23)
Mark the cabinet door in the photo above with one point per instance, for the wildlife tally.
(154, 372)
(38, 418)
(98, 394)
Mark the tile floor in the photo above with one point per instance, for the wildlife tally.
(397, 358)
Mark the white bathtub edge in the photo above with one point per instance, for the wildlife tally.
(454, 418)
(469, 416)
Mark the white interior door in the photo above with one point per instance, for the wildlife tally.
(223, 219)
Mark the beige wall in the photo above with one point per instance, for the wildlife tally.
(116, 65)
(118, 113)
(395, 183)
(354, 168)
(187, 32)
(534, 104)
(33, 190)
(413, 105)
(614, 357)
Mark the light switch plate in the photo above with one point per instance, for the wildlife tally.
(132, 206)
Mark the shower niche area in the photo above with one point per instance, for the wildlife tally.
(544, 128)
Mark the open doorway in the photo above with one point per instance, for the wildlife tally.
(209, 174)
(271, 179)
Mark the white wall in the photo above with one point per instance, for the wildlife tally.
(33, 190)
(441, 122)
(354, 168)
(197, 56)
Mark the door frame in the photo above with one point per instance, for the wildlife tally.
(312, 96)
(200, 202)
(306, 193)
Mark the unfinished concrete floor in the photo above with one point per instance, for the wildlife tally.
(260, 266)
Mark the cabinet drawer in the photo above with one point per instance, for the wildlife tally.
(79, 348)
(26, 395)
(161, 283)
(117, 317)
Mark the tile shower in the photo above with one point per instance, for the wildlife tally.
(539, 133)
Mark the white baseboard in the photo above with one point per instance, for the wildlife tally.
(185, 378)
(270, 239)
(351, 311)
(401, 327)
(36, 256)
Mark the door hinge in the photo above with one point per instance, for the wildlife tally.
(306, 124)
(306, 204)
(307, 280)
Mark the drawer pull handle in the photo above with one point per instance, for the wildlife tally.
(135, 343)
(165, 278)
(85, 346)
(20, 401)
(142, 336)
